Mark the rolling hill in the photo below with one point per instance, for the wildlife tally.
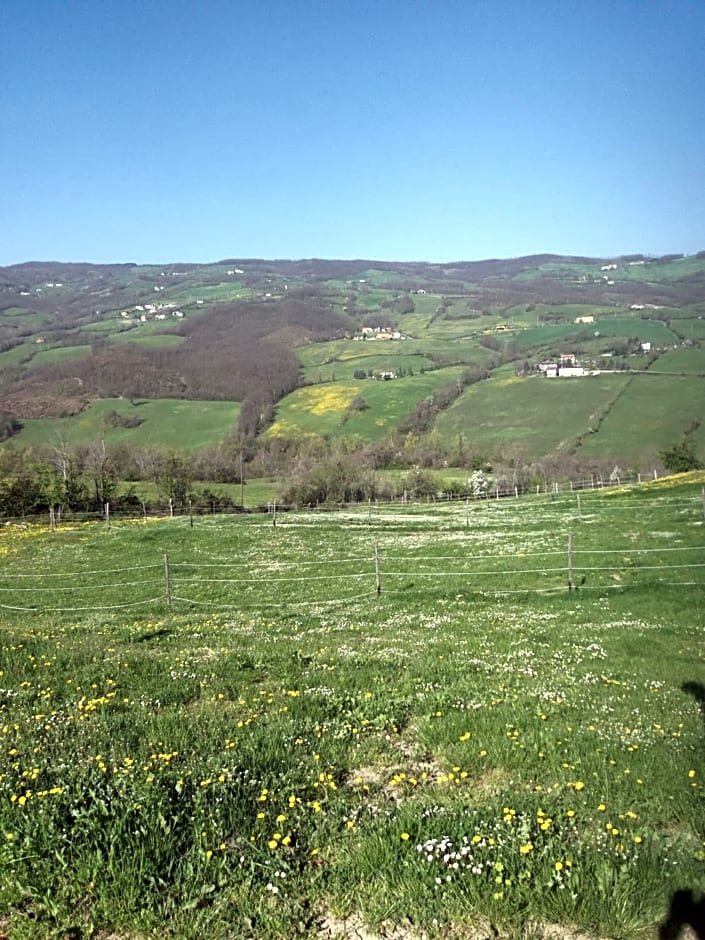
(267, 351)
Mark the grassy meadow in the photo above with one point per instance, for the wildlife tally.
(542, 414)
(173, 422)
(325, 409)
(654, 409)
(227, 730)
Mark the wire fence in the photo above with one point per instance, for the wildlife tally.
(493, 490)
(349, 579)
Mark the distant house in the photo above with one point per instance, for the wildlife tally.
(587, 318)
(566, 367)
(386, 375)
(646, 347)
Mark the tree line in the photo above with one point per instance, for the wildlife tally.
(308, 471)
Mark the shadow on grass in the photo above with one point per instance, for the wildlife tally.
(686, 909)
(152, 635)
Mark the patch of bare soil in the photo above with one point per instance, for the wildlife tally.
(353, 927)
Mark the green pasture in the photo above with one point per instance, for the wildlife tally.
(387, 357)
(326, 409)
(18, 354)
(19, 316)
(652, 414)
(690, 360)
(111, 327)
(209, 293)
(257, 492)
(346, 724)
(371, 298)
(539, 415)
(166, 422)
(534, 312)
(11, 311)
(660, 272)
(53, 355)
(153, 340)
(692, 328)
(646, 330)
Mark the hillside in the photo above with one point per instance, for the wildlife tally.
(361, 350)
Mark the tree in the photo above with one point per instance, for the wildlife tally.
(70, 489)
(103, 477)
(478, 484)
(173, 474)
(681, 457)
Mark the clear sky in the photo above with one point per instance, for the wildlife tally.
(439, 130)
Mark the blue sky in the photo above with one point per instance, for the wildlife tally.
(153, 131)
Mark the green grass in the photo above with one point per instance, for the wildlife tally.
(166, 422)
(325, 409)
(565, 334)
(511, 409)
(54, 355)
(258, 491)
(387, 357)
(18, 316)
(154, 340)
(691, 328)
(283, 745)
(690, 361)
(653, 412)
(16, 355)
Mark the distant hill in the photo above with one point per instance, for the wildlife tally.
(362, 349)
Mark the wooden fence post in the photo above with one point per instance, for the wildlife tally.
(570, 561)
(107, 515)
(378, 577)
(167, 583)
